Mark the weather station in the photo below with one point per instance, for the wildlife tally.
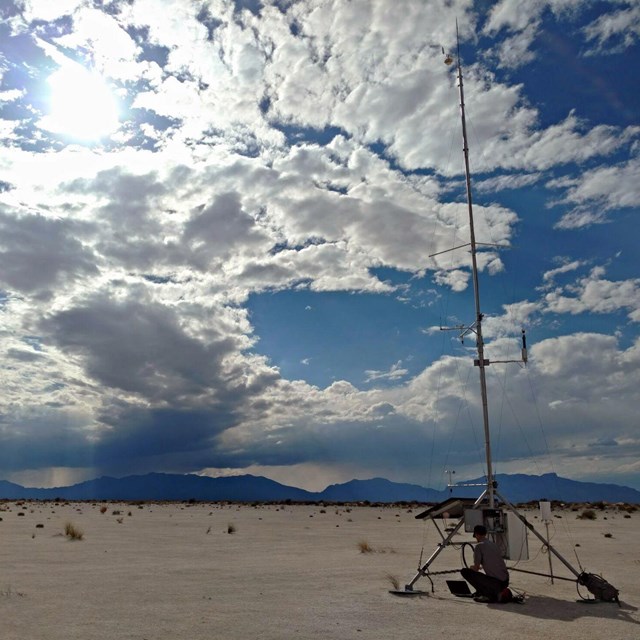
(505, 525)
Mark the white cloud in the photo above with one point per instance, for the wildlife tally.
(595, 294)
(602, 189)
(506, 182)
(549, 276)
(11, 95)
(110, 45)
(615, 31)
(48, 11)
(396, 372)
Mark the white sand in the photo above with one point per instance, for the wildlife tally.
(172, 572)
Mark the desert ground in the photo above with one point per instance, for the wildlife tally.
(155, 571)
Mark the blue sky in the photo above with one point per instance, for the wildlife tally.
(224, 231)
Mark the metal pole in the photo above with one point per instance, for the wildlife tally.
(439, 549)
(481, 362)
(546, 524)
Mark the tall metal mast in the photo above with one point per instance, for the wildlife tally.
(481, 362)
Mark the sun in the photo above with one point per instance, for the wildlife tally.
(81, 104)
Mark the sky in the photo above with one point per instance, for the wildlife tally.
(228, 235)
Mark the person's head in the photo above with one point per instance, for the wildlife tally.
(479, 531)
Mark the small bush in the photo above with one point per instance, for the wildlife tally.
(365, 547)
(395, 583)
(103, 509)
(72, 532)
(587, 514)
(231, 528)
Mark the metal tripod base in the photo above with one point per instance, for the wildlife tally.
(596, 585)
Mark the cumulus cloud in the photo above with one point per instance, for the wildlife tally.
(60, 258)
(596, 294)
(599, 191)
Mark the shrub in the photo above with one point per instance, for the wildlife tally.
(587, 514)
(231, 528)
(365, 547)
(72, 532)
(395, 583)
(103, 509)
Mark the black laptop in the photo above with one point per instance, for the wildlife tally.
(459, 588)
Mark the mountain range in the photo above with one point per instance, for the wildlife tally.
(516, 488)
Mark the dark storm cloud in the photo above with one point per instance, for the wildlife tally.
(146, 436)
(38, 254)
(140, 347)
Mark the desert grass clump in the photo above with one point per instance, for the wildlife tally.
(587, 514)
(72, 532)
(103, 509)
(395, 582)
(365, 547)
(231, 528)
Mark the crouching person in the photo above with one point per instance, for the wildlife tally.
(490, 586)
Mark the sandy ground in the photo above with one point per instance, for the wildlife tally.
(173, 571)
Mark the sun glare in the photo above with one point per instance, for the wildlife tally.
(82, 106)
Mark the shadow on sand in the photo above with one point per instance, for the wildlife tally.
(548, 608)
